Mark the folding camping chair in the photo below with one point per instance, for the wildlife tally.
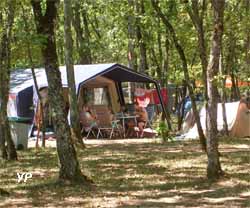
(89, 130)
(151, 113)
(105, 123)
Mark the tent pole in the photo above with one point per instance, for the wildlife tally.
(158, 89)
(120, 92)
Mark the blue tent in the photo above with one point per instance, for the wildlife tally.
(22, 89)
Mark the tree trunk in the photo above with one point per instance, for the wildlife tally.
(143, 66)
(247, 40)
(159, 75)
(165, 75)
(157, 64)
(214, 168)
(132, 58)
(45, 24)
(74, 114)
(87, 36)
(185, 69)
(180, 110)
(82, 39)
(223, 96)
(197, 19)
(230, 64)
(2, 143)
(234, 88)
(5, 56)
(26, 28)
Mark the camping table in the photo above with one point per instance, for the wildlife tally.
(114, 125)
(127, 117)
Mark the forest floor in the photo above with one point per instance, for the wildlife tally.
(132, 173)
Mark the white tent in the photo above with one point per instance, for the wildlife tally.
(238, 119)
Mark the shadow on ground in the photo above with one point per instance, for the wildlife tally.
(134, 175)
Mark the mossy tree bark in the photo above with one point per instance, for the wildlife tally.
(45, 24)
(214, 167)
(5, 56)
(74, 113)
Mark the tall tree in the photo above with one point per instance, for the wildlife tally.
(247, 31)
(140, 12)
(182, 55)
(213, 167)
(132, 57)
(197, 16)
(40, 123)
(5, 65)
(74, 115)
(231, 65)
(223, 95)
(165, 69)
(45, 24)
(82, 32)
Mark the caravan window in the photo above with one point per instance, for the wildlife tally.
(97, 96)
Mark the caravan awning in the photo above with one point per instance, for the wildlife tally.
(21, 79)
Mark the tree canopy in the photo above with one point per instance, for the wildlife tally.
(100, 33)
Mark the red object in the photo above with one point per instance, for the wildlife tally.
(163, 94)
(143, 101)
(12, 96)
(240, 83)
(143, 97)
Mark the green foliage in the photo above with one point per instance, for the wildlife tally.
(108, 30)
(163, 131)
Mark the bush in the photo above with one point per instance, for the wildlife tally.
(163, 131)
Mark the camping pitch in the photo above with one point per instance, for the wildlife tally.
(106, 79)
(23, 97)
(238, 119)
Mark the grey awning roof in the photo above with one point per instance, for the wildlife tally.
(21, 79)
(122, 73)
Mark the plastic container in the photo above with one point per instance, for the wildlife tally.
(19, 127)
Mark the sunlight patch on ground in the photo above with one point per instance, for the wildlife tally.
(162, 202)
(245, 194)
(123, 141)
(74, 199)
(221, 199)
(52, 142)
(197, 191)
(167, 200)
(16, 202)
(227, 183)
(242, 146)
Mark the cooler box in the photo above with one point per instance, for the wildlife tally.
(20, 127)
